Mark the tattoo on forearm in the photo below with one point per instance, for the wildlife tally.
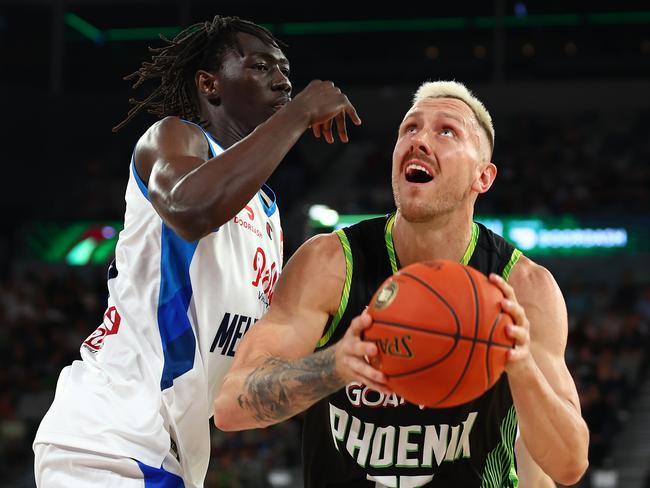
(280, 388)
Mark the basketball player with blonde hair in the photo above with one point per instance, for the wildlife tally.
(308, 353)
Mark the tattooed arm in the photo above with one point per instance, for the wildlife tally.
(278, 388)
(276, 374)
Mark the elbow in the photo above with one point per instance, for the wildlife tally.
(576, 463)
(571, 474)
(228, 415)
(192, 226)
(221, 422)
(189, 226)
(223, 417)
(229, 418)
(189, 234)
(188, 220)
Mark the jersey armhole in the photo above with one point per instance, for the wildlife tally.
(514, 258)
(139, 181)
(142, 185)
(205, 134)
(345, 294)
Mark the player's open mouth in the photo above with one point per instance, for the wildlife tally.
(416, 173)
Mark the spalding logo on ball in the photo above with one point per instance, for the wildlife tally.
(440, 332)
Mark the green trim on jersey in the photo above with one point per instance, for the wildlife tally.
(390, 247)
(345, 296)
(471, 246)
(500, 462)
(514, 257)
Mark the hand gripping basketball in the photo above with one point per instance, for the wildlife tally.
(519, 331)
(351, 353)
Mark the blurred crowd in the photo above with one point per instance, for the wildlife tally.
(608, 355)
(586, 164)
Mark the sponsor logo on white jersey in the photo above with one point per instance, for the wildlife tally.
(266, 275)
(230, 331)
(245, 224)
(110, 326)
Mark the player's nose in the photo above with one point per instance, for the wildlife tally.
(281, 82)
(420, 143)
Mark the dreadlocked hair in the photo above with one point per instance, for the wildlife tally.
(199, 46)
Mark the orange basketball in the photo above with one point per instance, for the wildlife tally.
(440, 332)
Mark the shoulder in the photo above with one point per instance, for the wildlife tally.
(540, 296)
(166, 140)
(531, 279)
(329, 243)
(168, 127)
(321, 250)
(315, 273)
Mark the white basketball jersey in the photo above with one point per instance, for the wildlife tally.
(176, 313)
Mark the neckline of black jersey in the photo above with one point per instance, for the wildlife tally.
(390, 244)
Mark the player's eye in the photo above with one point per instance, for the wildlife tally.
(261, 66)
(285, 71)
(447, 132)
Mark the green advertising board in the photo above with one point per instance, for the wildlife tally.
(566, 235)
(82, 243)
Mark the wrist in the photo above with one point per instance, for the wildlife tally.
(522, 369)
(338, 369)
(294, 111)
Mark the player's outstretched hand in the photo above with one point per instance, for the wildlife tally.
(324, 105)
(351, 353)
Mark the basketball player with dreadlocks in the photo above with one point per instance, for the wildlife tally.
(196, 263)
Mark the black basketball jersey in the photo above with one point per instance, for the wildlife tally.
(358, 437)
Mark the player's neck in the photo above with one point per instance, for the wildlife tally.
(445, 237)
(225, 134)
(224, 129)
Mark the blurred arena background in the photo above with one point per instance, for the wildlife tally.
(569, 89)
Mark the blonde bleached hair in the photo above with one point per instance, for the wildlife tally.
(454, 89)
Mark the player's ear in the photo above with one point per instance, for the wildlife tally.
(208, 85)
(485, 178)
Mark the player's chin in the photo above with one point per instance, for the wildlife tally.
(415, 212)
(264, 114)
(277, 107)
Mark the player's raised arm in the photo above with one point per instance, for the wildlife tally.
(195, 193)
(543, 391)
(276, 374)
